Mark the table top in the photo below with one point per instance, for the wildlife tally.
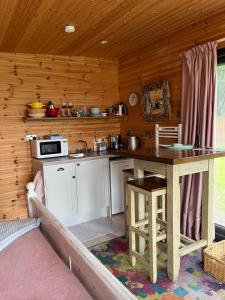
(164, 155)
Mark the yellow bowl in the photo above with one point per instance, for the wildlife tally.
(36, 104)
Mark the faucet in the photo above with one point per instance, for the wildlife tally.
(85, 149)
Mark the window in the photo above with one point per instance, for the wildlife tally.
(220, 143)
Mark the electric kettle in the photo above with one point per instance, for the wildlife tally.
(133, 142)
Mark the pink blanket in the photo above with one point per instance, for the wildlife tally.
(30, 269)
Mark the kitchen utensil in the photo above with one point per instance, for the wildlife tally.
(77, 155)
(99, 145)
(50, 105)
(95, 111)
(111, 111)
(178, 147)
(133, 142)
(36, 110)
(36, 104)
(115, 142)
(37, 115)
(52, 112)
(122, 109)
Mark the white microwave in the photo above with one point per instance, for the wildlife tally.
(49, 148)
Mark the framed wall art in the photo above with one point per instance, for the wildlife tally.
(156, 100)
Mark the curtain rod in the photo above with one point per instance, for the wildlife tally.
(217, 41)
(220, 40)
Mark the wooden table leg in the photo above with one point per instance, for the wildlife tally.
(207, 204)
(139, 173)
(173, 222)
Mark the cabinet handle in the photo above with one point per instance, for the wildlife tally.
(78, 165)
(60, 169)
(73, 177)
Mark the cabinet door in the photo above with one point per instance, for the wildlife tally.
(117, 184)
(92, 185)
(60, 188)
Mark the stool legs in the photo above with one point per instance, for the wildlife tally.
(147, 228)
(152, 210)
(132, 237)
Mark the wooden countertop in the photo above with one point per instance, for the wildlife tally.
(171, 156)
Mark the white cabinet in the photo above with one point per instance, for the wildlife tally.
(76, 191)
(117, 185)
(60, 189)
(92, 186)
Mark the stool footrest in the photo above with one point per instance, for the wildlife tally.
(144, 233)
(141, 223)
(129, 173)
(192, 247)
(141, 259)
(146, 222)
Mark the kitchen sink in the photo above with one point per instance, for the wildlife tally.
(77, 155)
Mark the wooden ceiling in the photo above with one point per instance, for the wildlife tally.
(37, 26)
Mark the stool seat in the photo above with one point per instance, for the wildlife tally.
(150, 184)
(130, 173)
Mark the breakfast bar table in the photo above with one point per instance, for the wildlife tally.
(173, 164)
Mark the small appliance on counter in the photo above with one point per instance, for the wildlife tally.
(99, 145)
(49, 148)
(133, 142)
(115, 142)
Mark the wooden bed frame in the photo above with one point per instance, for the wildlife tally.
(95, 277)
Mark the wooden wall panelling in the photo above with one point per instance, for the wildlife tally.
(162, 60)
(89, 82)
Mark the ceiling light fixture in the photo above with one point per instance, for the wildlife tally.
(103, 42)
(69, 28)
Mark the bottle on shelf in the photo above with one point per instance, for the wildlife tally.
(197, 141)
(69, 109)
(63, 110)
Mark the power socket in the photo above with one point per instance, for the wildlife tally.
(30, 137)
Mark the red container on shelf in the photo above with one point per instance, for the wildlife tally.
(52, 112)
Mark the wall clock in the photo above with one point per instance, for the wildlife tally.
(133, 99)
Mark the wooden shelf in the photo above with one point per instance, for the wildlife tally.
(75, 118)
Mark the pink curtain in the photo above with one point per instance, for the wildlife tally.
(198, 110)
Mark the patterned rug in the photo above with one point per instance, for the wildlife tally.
(193, 282)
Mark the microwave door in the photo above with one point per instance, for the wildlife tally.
(48, 148)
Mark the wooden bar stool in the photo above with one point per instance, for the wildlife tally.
(128, 174)
(150, 227)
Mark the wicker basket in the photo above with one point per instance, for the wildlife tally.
(214, 260)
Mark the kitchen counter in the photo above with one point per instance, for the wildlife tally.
(169, 156)
(161, 155)
(89, 156)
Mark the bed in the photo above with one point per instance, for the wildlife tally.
(51, 263)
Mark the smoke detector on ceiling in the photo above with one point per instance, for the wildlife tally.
(69, 28)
